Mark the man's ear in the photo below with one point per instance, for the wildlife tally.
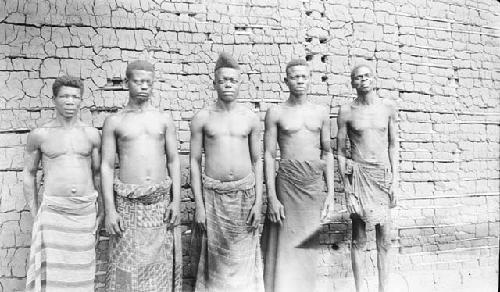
(125, 83)
(285, 80)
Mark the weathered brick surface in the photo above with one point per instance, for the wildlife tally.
(438, 59)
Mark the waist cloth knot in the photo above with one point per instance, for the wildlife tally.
(369, 198)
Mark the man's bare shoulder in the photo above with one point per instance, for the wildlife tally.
(323, 111)
(113, 120)
(345, 109)
(44, 130)
(201, 116)
(91, 132)
(274, 112)
(246, 111)
(390, 104)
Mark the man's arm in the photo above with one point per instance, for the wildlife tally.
(95, 159)
(341, 146)
(174, 169)
(195, 165)
(326, 154)
(275, 209)
(255, 155)
(112, 218)
(393, 153)
(32, 158)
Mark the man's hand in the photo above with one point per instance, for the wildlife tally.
(172, 214)
(393, 195)
(327, 208)
(200, 218)
(255, 215)
(275, 211)
(114, 224)
(98, 224)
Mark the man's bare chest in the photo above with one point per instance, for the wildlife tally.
(218, 127)
(295, 121)
(375, 119)
(131, 128)
(72, 142)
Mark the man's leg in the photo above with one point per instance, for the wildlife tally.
(357, 249)
(383, 246)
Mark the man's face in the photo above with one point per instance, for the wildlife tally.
(227, 83)
(67, 101)
(298, 79)
(362, 80)
(140, 84)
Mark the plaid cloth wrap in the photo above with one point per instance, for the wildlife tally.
(230, 256)
(147, 256)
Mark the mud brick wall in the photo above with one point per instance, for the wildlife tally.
(438, 59)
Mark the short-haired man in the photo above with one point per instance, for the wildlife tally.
(296, 193)
(228, 206)
(62, 254)
(144, 249)
(369, 123)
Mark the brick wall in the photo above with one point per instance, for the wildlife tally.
(438, 59)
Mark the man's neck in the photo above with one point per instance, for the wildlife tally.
(367, 98)
(66, 122)
(294, 99)
(138, 105)
(225, 105)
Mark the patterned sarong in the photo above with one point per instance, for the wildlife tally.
(289, 265)
(230, 258)
(370, 192)
(62, 254)
(147, 256)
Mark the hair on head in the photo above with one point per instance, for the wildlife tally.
(296, 62)
(226, 61)
(357, 67)
(139, 65)
(68, 81)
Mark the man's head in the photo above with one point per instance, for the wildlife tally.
(140, 78)
(297, 77)
(227, 78)
(362, 78)
(67, 95)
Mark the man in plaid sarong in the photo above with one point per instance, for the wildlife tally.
(143, 212)
(228, 206)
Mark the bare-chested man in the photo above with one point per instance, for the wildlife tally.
(228, 206)
(369, 123)
(144, 248)
(62, 256)
(296, 193)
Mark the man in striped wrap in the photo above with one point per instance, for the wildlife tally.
(62, 254)
(228, 207)
(142, 215)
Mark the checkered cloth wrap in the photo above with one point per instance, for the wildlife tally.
(230, 258)
(147, 256)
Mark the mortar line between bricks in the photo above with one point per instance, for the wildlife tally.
(469, 195)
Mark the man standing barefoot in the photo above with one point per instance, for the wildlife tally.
(144, 248)
(369, 123)
(62, 254)
(296, 193)
(228, 208)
